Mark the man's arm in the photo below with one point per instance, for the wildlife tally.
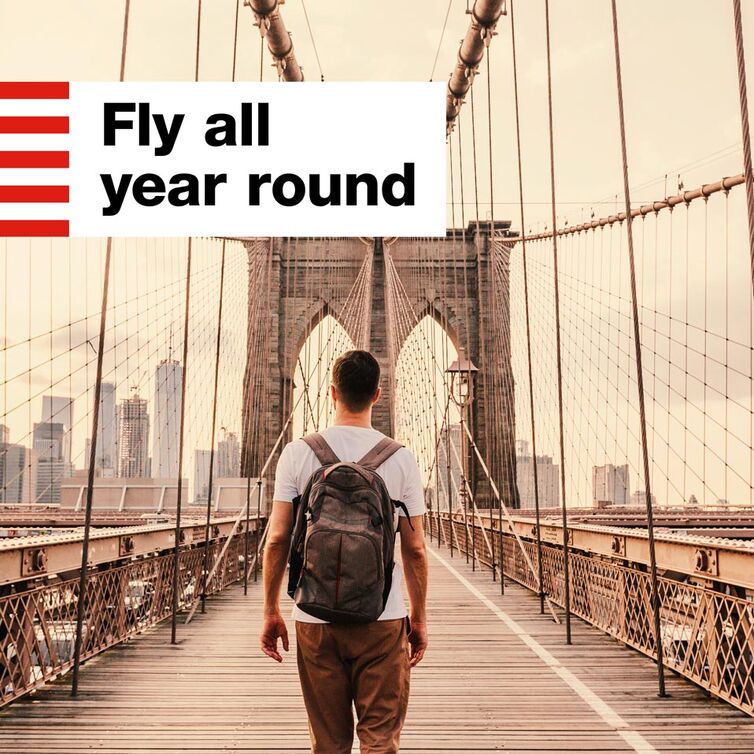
(414, 556)
(273, 572)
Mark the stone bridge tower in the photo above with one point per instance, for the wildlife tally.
(449, 279)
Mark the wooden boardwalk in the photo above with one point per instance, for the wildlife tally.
(497, 677)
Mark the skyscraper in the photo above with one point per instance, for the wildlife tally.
(52, 443)
(106, 457)
(133, 437)
(201, 474)
(548, 478)
(18, 474)
(449, 436)
(167, 419)
(57, 409)
(4, 434)
(228, 461)
(610, 485)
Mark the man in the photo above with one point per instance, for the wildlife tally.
(345, 665)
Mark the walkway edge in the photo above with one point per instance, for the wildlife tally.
(633, 738)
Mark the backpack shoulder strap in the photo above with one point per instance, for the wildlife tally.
(380, 453)
(325, 454)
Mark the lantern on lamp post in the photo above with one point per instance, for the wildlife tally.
(462, 374)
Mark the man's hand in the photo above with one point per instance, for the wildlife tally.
(273, 570)
(272, 630)
(418, 642)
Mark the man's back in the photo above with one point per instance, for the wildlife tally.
(343, 666)
(400, 473)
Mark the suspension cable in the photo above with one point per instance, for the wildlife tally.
(744, 100)
(205, 569)
(314, 44)
(84, 571)
(527, 316)
(81, 601)
(566, 553)
(639, 368)
(439, 43)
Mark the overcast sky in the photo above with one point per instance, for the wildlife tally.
(678, 55)
(680, 95)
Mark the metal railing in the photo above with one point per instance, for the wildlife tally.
(38, 624)
(707, 630)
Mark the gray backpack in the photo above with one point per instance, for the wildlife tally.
(343, 542)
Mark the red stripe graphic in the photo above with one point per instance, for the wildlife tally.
(31, 124)
(33, 90)
(33, 159)
(17, 194)
(36, 228)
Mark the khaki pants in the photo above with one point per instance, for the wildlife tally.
(362, 666)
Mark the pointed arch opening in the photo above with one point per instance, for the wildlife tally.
(312, 372)
(426, 419)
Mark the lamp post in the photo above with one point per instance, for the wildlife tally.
(462, 373)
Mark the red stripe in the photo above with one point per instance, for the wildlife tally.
(33, 90)
(33, 159)
(34, 194)
(36, 228)
(30, 124)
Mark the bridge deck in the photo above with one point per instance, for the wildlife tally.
(497, 677)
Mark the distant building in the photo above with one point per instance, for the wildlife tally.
(4, 435)
(48, 439)
(52, 442)
(449, 436)
(133, 437)
(639, 498)
(106, 458)
(18, 473)
(168, 379)
(228, 458)
(58, 409)
(201, 474)
(610, 485)
(50, 473)
(548, 478)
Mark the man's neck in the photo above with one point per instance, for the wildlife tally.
(348, 419)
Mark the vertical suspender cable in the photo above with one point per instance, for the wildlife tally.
(566, 553)
(526, 309)
(81, 602)
(639, 369)
(179, 499)
(205, 569)
(124, 46)
(198, 39)
(743, 97)
(270, 260)
(235, 41)
(491, 264)
(248, 465)
(181, 425)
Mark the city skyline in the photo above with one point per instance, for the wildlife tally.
(34, 474)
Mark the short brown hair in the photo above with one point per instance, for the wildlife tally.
(356, 376)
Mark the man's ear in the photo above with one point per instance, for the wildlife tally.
(333, 394)
(377, 395)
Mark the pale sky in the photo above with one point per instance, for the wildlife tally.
(678, 62)
(681, 108)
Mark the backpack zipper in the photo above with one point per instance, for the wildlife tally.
(337, 576)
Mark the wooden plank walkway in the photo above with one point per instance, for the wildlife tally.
(497, 677)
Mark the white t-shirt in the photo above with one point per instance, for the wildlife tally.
(400, 473)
